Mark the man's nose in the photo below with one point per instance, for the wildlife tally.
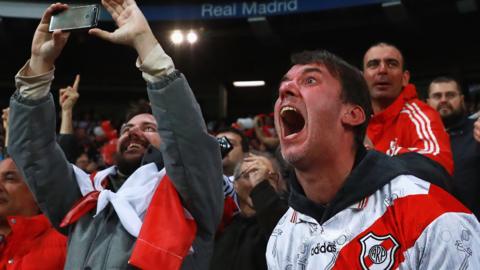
(288, 89)
(382, 67)
(134, 132)
(443, 98)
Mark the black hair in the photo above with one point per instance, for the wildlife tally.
(140, 107)
(244, 142)
(386, 44)
(445, 79)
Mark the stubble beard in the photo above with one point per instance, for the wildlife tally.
(453, 117)
(127, 166)
(292, 158)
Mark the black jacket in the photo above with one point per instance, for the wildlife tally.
(243, 244)
(466, 158)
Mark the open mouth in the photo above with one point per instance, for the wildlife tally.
(382, 84)
(293, 121)
(134, 145)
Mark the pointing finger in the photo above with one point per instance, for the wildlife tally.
(76, 83)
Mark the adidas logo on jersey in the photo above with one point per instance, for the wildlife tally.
(330, 247)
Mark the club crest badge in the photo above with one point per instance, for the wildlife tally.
(378, 252)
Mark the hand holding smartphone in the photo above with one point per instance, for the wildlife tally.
(75, 18)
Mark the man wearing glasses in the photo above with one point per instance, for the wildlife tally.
(445, 96)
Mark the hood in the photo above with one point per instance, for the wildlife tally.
(371, 171)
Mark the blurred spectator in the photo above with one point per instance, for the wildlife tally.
(445, 96)
(265, 131)
(259, 187)
(260, 131)
(82, 161)
(85, 163)
(26, 235)
(401, 122)
(27, 239)
(240, 147)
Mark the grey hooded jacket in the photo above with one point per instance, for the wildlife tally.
(191, 157)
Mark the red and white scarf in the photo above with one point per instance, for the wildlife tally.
(148, 207)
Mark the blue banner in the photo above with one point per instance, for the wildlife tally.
(244, 9)
(205, 11)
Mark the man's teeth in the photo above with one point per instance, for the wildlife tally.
(287, 108)
(134, 145)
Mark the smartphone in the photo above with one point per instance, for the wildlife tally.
(225, 146)
(75, 18)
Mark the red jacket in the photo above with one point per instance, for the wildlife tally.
(33, 244)
(409, 125)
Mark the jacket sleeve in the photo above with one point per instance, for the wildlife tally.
(424, 133)
(191, 157)
(69, 145)
(452, 241)
(41, 161)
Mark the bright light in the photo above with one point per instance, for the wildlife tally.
(248, 83)
(176, 37)
(192, 37)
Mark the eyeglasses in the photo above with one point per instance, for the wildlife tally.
(448, 95)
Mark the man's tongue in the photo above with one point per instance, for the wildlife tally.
(293, 122)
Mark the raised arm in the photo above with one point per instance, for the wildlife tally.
(46, 46)
(191, 156)
(32, 141)
(5, 113)
(68, 97)
(270, 142)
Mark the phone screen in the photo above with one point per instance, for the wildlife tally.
(80, 17)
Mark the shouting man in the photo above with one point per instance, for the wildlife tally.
(351, 208)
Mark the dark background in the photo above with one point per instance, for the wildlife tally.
(436, 37)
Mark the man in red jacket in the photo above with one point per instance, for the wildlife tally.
(27, 239)
(401, 122)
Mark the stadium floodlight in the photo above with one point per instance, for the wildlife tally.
(248, 83)
(192, 37)
(177, 37)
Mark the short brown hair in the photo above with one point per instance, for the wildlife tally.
(140, 107)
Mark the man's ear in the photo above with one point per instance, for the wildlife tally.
(354, 115)
(405, 78)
